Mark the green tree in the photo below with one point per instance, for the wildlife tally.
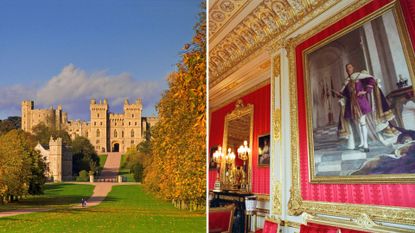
(13, 122)
(21, 166)
(177, 167)
(83, 154)
(43, 133)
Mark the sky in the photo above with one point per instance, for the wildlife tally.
(69, 51)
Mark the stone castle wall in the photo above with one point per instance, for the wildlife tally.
(106, 131)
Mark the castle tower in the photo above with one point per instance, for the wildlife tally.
(58, 118)
(27, 107)
(98, 134)
(132, 123)
(55, 159)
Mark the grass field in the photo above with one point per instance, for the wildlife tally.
(126, 209)
(102, 159)
(55, 195)
(125, 172)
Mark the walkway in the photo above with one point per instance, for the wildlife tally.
(101, 189)
(110, 172)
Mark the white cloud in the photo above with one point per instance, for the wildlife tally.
(74, 87)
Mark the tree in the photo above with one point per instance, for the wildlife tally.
(83, 154)
(13, 122)
(43, 133)
(21, 166)
(177, 170)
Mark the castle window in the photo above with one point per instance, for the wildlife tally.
(100, 123)
(129, 123)
(132, 133)
(133, 116)
(132, 142)
(115, 133)
(97, 141)
(115, 123)
(95, 123)
(97, 114)
(136, 123)
(122, 134)
(97, 132)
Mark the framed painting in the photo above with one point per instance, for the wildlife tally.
(264, 155)
(357, 130)
(352, 145)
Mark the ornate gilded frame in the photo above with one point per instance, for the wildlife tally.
(240, 110)
(358, 216)
(270, 144)
(410, 58)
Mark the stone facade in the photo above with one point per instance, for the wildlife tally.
(58, 160)
(107, 132)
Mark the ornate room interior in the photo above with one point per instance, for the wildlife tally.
(282, 118)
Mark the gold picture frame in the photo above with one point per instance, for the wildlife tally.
(409, 58)
(357, 216)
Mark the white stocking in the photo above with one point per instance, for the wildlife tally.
(350, 140)
(363, 130)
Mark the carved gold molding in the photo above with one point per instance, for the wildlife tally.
(362, 222)
(361, 216)
(222, 12)
(271, 20)
(276, 202)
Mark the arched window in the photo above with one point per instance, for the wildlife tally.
(122, 134)
(115, 133)
(132, 133)
(98, 133)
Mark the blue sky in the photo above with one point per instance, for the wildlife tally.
(67, 51)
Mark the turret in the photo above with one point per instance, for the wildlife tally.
(27, 107)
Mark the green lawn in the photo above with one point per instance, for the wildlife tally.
(125, 172)
(56, 195)
(102, 159)
(126, 209)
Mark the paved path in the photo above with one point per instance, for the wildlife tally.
(101, 189)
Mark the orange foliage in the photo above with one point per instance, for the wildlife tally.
(177, 170)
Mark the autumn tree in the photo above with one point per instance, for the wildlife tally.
(177, 170)
(21, 167)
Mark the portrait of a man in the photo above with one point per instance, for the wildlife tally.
(358, 126)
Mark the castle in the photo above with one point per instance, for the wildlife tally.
(58, 160)
(107, 132)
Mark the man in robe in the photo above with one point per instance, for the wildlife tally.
(361, 96)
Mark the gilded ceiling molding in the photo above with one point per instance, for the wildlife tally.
(361, 216)
(270, 21)
(222, 12)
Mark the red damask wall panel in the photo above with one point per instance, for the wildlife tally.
(374, 194)
(261, 100)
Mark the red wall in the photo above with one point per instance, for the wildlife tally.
(261, 100)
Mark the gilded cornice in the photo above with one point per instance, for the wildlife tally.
(221, 13)
(271, 20)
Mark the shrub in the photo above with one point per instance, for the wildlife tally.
(83, 176)
(138, 170)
